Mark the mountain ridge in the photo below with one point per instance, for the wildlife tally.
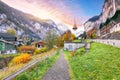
(23, 23)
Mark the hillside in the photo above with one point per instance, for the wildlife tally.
(101, 62)
(24, 24)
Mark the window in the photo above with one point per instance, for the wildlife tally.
(70, 47)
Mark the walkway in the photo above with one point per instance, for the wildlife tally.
(59, 71)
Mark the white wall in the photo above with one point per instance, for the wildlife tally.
(115, 28)
(109, 42)
(73, 46)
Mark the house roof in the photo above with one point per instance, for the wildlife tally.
(7, 37)
(7, 42)
(36, 42)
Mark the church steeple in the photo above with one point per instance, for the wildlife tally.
(74, 26)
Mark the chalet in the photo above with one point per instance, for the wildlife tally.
(7, 43)
(38, 44)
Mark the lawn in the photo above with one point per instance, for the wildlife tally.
(102, 62)
(37, 71)
(77, 40)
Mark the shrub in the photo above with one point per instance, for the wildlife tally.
(28, 49)
(93, 36)
(23, 76)
(41, 50)
(23, 58)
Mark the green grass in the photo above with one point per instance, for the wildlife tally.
(37, 71)
(8, 55)
(76, 40)
(102, 62)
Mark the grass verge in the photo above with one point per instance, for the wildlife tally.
(77, 40)
(37, 71)
(11, 69)
(102, 62)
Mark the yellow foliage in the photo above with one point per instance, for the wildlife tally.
(68, 36)
(41, 50)
(93, 36)
(11, 31)
(23, 58)
(72, 36)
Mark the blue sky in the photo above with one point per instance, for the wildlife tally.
(88, 7)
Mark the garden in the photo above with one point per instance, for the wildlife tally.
(101, 62)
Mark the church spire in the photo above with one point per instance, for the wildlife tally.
(74, 26)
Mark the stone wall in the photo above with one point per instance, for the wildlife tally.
(109, 42)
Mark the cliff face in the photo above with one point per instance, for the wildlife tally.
(24, 24)
(110, 7)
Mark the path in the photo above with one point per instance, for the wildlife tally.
(59, 71)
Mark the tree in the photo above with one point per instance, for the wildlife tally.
(11, 31)
(93, 36)
(60, 43)
(51, 38)
(68, 36)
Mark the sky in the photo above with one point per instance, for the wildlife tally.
(60, 11)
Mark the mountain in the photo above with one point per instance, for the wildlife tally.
(63, 28)
(93, 19)
(106, 23)
(24, 24)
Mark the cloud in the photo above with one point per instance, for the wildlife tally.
(58, 10)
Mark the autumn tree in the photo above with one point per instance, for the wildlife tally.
(68, 36)
(11, 31)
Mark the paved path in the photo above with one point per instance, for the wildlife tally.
(59, 71)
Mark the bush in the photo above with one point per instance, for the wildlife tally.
(41, 50)
(23, 58)
(93, 36)
(23, 76)
(28, 49)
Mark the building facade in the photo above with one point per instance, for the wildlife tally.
(7, 44)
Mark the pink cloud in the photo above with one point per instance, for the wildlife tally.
(54, 9)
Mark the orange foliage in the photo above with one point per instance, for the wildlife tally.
(27, 49)
(23, 58)
(72, 53)
(68, 36)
